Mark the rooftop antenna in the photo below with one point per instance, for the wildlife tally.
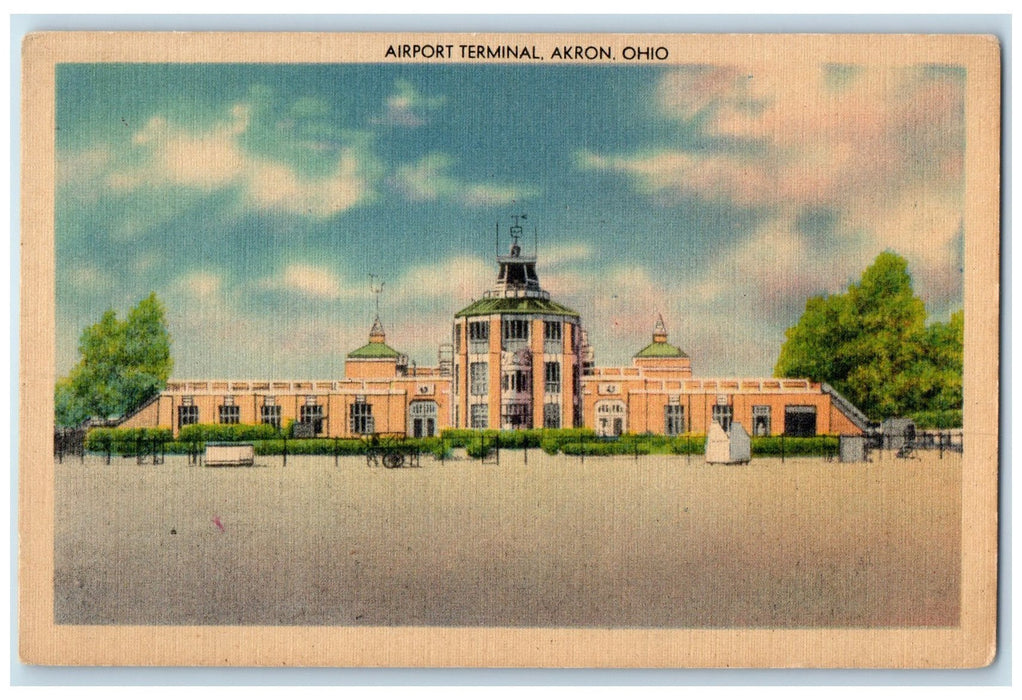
(376, 291)
(516, 232)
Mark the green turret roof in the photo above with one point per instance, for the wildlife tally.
(515, 305)
(655, 349)
(374, 351)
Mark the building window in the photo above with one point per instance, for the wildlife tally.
(722, 415)
(457, 337)
(229, 413)
(311, 415)
(760, 420)
(552, 330)
(551, 415)
(515, 416)
(479, 378)
(674, 419)
(800, 421)
(270, 415)
(480, 415)
(610, 418)
(361, 419)
(517, 381)
(515, 329)
(552, 377)
(479, 330)
(479, 336)
(187, 415)
(457, 379)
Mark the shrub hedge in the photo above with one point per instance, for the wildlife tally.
(819, 446)
(125, 441)
(227, 432)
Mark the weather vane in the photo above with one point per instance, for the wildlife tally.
(376, 291)
(516, 232)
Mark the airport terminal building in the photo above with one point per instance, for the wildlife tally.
(518, 359)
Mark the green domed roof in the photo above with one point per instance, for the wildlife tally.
(515, 305)
(374, 351)
(655, 349)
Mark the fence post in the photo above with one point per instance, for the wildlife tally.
(336, 448)
(782, 448)
(525, 446)
(285, 450)
(636, 446)
(582, 446)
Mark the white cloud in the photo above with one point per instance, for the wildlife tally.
(200, 285)
(215, 159)
(878, 150)
(558, 255)
(312, 281)
(428, 180)
(451, 281)
(408, 107)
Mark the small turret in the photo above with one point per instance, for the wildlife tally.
(661, 355)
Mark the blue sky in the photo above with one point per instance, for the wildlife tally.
(256, 200)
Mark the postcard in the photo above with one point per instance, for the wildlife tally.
(509, 350)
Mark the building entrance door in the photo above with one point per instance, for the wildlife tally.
(422, 418)
(423, 427)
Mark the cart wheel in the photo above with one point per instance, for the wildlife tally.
(393, 460)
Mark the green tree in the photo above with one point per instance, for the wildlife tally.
(873, 345)
(123, 363)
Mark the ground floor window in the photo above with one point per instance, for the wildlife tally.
(723, 414)
(228, 412)
(312, 416)
(551, 415)
(760, 420)
(800, 421)
(480, 415)
(360, 418)
(674, 419)
(270, 415)
(187, 415)
(515, 416)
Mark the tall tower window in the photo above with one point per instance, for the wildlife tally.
(551, 415)
(479, 336)
(480, 415)
(478, 378)
(552, 377)
(517, 381)
(516, 329)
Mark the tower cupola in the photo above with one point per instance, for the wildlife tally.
(517, 273)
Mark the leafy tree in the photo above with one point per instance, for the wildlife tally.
(123, 363)
(873, 345)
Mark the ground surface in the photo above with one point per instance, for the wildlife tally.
(611, 542)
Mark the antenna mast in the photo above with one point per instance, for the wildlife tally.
(376, 290)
